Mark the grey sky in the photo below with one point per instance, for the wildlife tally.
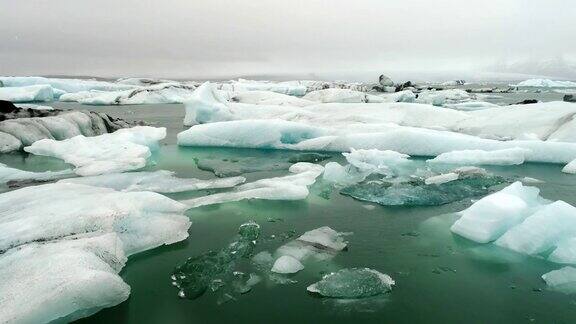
(300, 38)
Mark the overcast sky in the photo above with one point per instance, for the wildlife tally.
(301, 38)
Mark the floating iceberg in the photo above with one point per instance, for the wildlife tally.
(18, 132)
(290, 187)
(353, 283)
(442, 178)
(65, 85)
(320, 244)
(155, 94)
(490, 217)
(546, 83)
(287, 264)
(8, 174)
(27, 94)
(341, 96)
(71, 241)
(562, 280)
(512, 156)
(124, 150)
(570, 167)
(441, 97)
(288, 88)
(267, 98)
(161, 181)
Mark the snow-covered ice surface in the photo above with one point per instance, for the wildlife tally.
(290, 187)
(71, 241)
(124, 150)
(27, 94)
(161, 181)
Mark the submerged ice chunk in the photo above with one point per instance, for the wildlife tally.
(490, 217)
(353, 283)
(124, 150)
(290, 187)
(319, 244)
(161, 181)
(27, 94)
(287, 264)
(372, 161)
(562, 280)
(511, 156)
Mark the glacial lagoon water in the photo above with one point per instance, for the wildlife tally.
(440, 278)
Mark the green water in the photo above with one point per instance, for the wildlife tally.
(440, 278)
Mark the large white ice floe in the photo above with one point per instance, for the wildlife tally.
(512, 156)
(342, 96)
(65, 85)
(8, 174)
(414, 129)
(288, 88)
(81, 236)
(441, 97)
(290, 187)
(517, 218)
(546, 83)
(154, 94)
(124, 150)
(27, 94)
(287, 264)
(266, 98)
(561, 280)
(161, 181)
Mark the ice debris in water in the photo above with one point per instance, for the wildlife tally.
(561, 280)
(290, 187)
(415, 191)
(517, 218)
(215, 271)
(71, 241)
(319, 244)
(511, 156)
(236, 166)
(8, 174)
(353, 283)
(124, 150)
(161, 181)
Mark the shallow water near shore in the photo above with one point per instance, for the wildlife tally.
(440, 278)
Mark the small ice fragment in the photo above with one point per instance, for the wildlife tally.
(353, 283)
(287, 264)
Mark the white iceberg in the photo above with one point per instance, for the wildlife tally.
(570, 167)
(286, 265)
(442, 178)
(341, 96)
(64, 85)
(267, 98)
(318, 244)
(512, 156)
(161, 181)
(27, 94)
(492, 216)
(288, 88)
(290, 187)
(124, 150)
(562, 280)
(8, 174)
(441, 97)
(546, 83)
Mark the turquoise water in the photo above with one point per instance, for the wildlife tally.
(440, 278)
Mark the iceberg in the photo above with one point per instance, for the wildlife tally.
(320, 244)
(353, 283)
(8, 174)
(290, 187)
(511, 156)
(71, 241)
(442, 178)
(267, 98)
(287, 88)
(442, 97)
(27, 94)
(341, 96)
(64, 85)
(154, 94)
(286, 265)
(124, 150)
(570, 167)
(16, 132)
(561, 280)
(492, 216)
(161, 181)
(546, 83)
